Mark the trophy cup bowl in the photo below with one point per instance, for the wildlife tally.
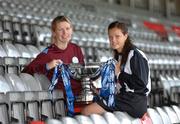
(86, 73)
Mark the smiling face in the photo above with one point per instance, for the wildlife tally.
(117, 39)
(62, 32)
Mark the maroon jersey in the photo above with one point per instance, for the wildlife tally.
(38, 65)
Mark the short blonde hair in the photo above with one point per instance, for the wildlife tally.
(59, 19)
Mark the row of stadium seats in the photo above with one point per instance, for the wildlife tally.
(24, 107)
(158, 115)
(165, 91)
(25, 97)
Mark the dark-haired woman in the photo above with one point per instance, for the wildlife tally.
(132, 72)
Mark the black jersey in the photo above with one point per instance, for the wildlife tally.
(135, 85)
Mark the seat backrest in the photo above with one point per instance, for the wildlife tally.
(177, 110)
(16, 106)
(31, 105)
(82, 119)
(16, 82)
(123, 117)
(69, 120)
(98, 119)
(58, 103)
(111, 118)
(33, 50)
(4, 114)
(164, 116)
(154, 115)
(11, 50)
(46, 103)
(4, 86)
(172, 115)
(24, 52)
(43, 80)
(17, 30)
(2, 52)
(53, 121)
(30, 82)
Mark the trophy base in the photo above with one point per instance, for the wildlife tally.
(86, 97)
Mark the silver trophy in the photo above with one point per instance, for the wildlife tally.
(87, 74)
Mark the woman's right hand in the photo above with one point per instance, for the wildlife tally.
(54, 63)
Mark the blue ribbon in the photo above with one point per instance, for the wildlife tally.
(108, 82)
(67, 84)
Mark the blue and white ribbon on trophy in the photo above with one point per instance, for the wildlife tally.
(108, 82)
(67, 85)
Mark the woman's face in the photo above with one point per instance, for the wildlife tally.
(117, 39)
(63, 32)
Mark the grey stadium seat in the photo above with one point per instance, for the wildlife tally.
(16, 82)
(125, 118)
(58, 103)
(16, 106)
(172, 114)
(45, 105)
(154, 115)
(82, 119)
(164, 116)
(53, 121)
(33, 50)
(111, 118)
(69, 120)
(31, 105)
(43, 80)
(4, 113)
(177, 110)
(4, 86)
(98, 119)
(30, 81)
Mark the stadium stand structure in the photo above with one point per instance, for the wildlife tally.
(25, 32)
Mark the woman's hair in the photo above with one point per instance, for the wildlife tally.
(128, 44)
(57, 20)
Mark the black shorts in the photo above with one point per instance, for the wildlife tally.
(135, 105)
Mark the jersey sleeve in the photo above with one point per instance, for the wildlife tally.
(139, 67)
(38, 65)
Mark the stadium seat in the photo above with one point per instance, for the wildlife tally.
(58, 104)
(69, 120)
(172, 114)
(45, 100)
(11, 62)
(43, 81)
(25, 56)
(125, 118)
(31, 106)
(164, 116)
(15, 82)
(17, 34)
(5, 86)
(2, 60)
(16, 106)
(177, 110)
(82, 119)
(33, 50)
(30, 81)
(4, 113)
(98, 119)
(111, 118)
(53, 121)
(154, 115)
(26, 35)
